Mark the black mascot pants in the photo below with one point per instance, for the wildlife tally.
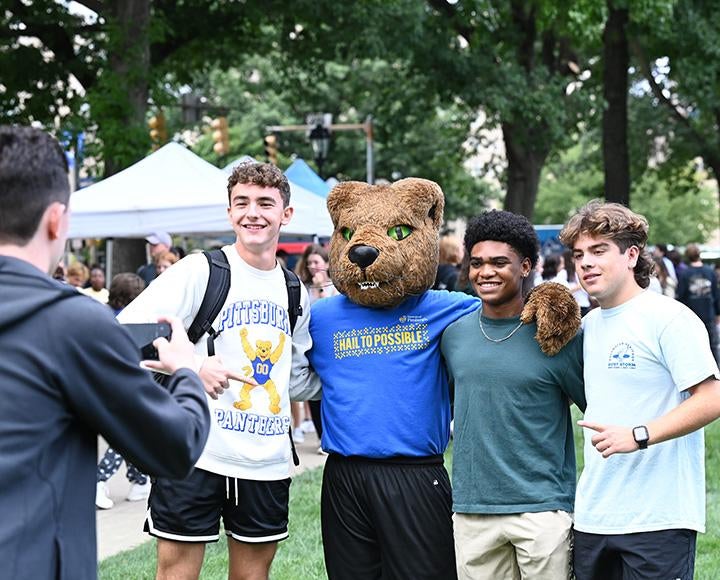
(389, 519)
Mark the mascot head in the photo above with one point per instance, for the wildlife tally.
(385, 244)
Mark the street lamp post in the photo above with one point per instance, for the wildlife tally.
(319, 135)
(320, 142)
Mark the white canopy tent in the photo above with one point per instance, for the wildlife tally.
(176, 191)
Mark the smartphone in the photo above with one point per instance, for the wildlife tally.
(144, 334)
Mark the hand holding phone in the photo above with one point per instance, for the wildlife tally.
(174, 354)
(145, 334)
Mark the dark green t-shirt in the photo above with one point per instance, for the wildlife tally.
(513, 448)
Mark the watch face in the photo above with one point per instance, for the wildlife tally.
(640, 434)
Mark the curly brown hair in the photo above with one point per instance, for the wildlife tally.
(618, 224)
(262, 174)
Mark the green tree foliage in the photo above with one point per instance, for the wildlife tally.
(679, 57)
(95, 70)
(424, 70)
(414, 134)
(680, 206)
(511, 60)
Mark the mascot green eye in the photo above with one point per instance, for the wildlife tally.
(399, 232)
(347, 233)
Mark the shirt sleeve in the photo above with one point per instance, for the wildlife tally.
(178, 291)
(573, 383)
(304, 382)
(685, 349)
(161, 430)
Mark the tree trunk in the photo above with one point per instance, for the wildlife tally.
(128, 255)
(525, 163)
(615, 90)
(129, 64)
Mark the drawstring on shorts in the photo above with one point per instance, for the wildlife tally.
(227, 488)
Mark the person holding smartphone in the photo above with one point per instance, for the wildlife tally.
(70, 372)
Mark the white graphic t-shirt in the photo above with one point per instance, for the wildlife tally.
(640, 358)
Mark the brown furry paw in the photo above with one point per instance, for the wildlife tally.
(557, 315)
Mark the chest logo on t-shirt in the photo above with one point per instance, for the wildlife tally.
(381, 339)
(622, 356)
(262, 359)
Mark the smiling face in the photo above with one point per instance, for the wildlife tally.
(256, 214)
(496, 272)
(606, 272)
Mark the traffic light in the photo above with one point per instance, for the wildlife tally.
(158, 130)
(271, 149)
(220, 136)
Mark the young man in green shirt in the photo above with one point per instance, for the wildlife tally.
(513, 454)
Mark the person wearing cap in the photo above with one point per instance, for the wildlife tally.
(158, 242)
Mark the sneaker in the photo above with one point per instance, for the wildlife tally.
(298, 435)
(102, 499)
(307, 426)
(138, 491)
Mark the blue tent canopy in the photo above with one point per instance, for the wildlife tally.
(302, 174)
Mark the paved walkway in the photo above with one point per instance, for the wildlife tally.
(120, 528)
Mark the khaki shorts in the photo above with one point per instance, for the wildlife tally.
(528, 545)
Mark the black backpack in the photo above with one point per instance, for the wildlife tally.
(217, 290)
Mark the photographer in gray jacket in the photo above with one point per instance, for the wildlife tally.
(69, 371)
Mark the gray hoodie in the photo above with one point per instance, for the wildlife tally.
(69, 371)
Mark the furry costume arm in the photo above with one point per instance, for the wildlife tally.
(557, 315)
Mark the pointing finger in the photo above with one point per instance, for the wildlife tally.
(241, 378)
(594, 426)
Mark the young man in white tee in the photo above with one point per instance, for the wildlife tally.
(243, 473)
(651, 385)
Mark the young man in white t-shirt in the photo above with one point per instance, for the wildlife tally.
(651, 384)
(243, 473)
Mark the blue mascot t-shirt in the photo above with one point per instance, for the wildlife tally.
(385, 387)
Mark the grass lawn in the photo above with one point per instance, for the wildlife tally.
(300, 557)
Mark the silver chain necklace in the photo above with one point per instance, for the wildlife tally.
(513, 331)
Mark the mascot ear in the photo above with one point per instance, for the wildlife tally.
(342, 196)
(425, 194)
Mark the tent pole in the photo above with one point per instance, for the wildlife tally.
(108, 261)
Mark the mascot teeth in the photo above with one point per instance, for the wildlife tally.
(368, 285)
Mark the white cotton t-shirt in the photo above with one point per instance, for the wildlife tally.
(640, 357)
(255, 340)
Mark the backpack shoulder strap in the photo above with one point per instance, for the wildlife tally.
(217, 290)
(293, 291)
(292, 282)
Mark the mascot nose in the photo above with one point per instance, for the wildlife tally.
(363, 256)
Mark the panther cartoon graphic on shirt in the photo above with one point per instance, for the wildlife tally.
(262, 359)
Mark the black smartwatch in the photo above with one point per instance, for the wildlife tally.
(641, 436)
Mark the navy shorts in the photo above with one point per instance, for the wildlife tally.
(640, 556)
(189, 510)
